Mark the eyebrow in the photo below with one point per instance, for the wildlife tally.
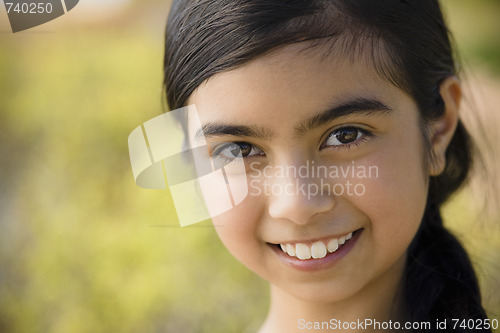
(213, 129)
(355, 106)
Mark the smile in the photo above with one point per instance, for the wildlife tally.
(316, 250)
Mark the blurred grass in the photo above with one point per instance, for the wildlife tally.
(82, 249)
(476, 28)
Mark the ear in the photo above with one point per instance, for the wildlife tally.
(443, 129)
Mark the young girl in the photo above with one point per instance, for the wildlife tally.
(364, 93)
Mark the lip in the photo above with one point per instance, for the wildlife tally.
(311, 265)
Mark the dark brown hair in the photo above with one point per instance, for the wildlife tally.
(408, 44)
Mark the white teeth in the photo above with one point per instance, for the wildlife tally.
(303, 251)
(283, 248)
(318, 250)
(290, 249)
(333, 245)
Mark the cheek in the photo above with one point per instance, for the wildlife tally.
(394, 201)
(238, 231)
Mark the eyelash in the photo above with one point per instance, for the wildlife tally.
(362, 136)
(365, 135)
(216, 152)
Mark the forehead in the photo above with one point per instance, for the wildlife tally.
(289, 84)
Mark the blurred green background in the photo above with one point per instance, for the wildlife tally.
(83, 249)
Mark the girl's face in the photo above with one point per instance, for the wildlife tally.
(332, 151)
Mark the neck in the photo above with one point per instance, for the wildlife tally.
(379, 301)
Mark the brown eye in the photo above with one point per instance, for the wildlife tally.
(232, 150)
(242, 147)
(344, 136)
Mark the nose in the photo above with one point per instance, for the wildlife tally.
(298, 198)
